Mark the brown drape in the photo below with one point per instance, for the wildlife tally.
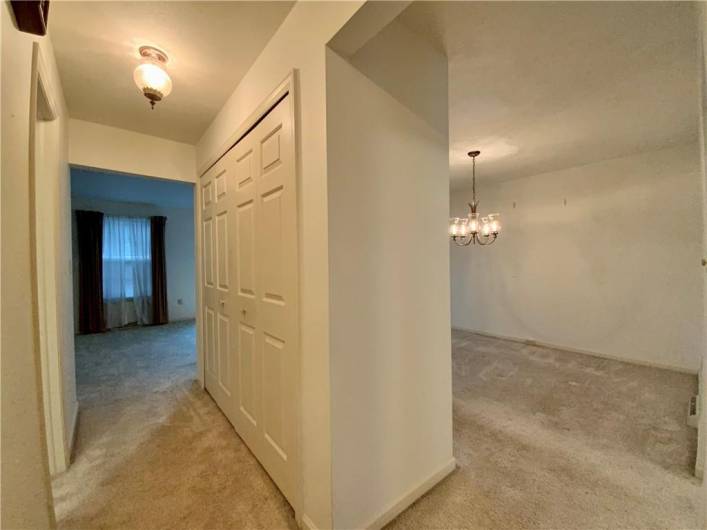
(159, 271)
(89, 231)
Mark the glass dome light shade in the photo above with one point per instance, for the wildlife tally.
(494, 223)
(454, 226)
(151, 78)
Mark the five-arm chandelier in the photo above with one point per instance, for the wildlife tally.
(474, 229)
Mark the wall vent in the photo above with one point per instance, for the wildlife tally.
(693, 411)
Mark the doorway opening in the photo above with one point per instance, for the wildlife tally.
(133, 253)
(574, 358)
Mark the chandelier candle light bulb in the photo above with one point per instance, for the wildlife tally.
(465, 231)
(474, 223)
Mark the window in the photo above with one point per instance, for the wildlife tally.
(126, 258)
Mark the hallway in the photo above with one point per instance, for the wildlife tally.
(153, 450)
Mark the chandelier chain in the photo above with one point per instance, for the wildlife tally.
(473, 181)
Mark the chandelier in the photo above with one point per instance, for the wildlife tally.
(474, 229)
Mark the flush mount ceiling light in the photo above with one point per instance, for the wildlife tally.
(472, 229)
(151, 77)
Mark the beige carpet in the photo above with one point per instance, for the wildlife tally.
(548, 439)
(544, 439)
(153, 451)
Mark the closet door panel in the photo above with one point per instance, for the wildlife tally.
(209, 342)
(247, 380)
(222, 249)
(247, 400)
(218, 346)
(276, 266)
(208, 252)
(245, 250)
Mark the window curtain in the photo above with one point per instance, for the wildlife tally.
(159, 271)
(89, 233)
(127, 272)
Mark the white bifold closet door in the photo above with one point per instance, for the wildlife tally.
(217, 320)
(250, 275)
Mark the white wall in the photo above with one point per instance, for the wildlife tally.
(389, 293)
(702, 73)
(613, 271)
(299, 44)
(179, 243)
(99, 146)
(410, 69)
(55, 271)
(25, 494)
(179, 249)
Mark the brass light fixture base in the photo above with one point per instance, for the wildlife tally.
(153, 53)
(153, 95)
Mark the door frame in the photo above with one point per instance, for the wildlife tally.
(43, 108)
(286, 86)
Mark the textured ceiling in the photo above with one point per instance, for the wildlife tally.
(542, 86)
(211, 45)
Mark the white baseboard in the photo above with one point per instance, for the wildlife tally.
(542, 344)
(402, 503)
(72, 433)
(182, 319)
(411, 496)
(701, 423)
(307, 523)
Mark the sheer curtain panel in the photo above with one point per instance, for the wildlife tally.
(127, 274)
